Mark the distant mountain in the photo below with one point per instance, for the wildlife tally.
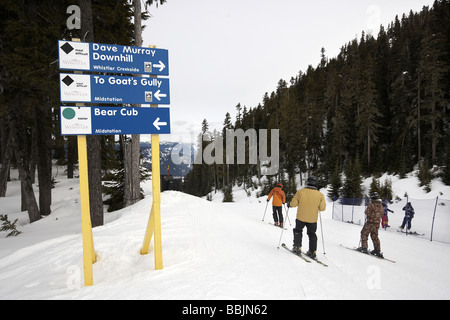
(181, 153)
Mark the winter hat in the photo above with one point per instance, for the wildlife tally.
(375, 196)
(312, 181)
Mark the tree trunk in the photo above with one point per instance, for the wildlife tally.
(5, 168)
(18, 145)
(72, 152)
(368, 148)
(132, 149)
(131, 170)
(43, 139)
(137, 22)
(433, 129)
(95, 180)
(93, 142)
(419, 151)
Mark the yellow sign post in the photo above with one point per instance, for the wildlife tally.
(86, 227)
(154, 221)
(156, 186)
(89, 256)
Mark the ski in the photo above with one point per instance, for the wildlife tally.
(298, 255)
(277, 226)
(368, 254)
(413, 233)
(316, 260)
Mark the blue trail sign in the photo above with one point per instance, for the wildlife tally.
(114, 120)
(114, 89)
(111, 58)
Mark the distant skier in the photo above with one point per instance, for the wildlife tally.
(309, 202)
(409, 215)
(385, 219)
(279, 198)
(374, 213)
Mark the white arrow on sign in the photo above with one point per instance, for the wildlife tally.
(156, 123)
(159, 95)
(161, 66)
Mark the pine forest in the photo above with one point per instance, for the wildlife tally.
(381, 105)
(29, 102)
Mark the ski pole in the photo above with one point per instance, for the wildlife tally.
(282, 229)
(287, 214)
(264, 216)
(321, 231)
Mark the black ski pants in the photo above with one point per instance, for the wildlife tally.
(311, 229)
(277, 214)
(407, 222)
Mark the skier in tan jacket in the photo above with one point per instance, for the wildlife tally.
(309, 202)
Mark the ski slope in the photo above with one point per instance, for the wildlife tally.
(211, 250)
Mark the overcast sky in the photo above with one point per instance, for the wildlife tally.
(226, 52)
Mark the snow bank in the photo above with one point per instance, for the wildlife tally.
(211, 250)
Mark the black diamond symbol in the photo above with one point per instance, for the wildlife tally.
(67, 48)
(67, 80)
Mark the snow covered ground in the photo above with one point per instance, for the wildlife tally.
(212, 250)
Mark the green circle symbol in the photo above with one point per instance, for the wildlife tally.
(69, 113)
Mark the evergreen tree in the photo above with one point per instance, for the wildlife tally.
(386, 191)
(368, 113)
(353, 181)
(227, 194)
(335, 184)
(226, 124)
(29, 83)
(115, 17)
(434, 70)
(373, 102)
(336, 140)
(446, 171)
(424, 175)
(9, 226)
(238, 122)
(375, 187)
(200, 179)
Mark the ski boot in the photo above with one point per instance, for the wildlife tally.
(312, 255)
(296, 250)
(363, 250)
(377, 253)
